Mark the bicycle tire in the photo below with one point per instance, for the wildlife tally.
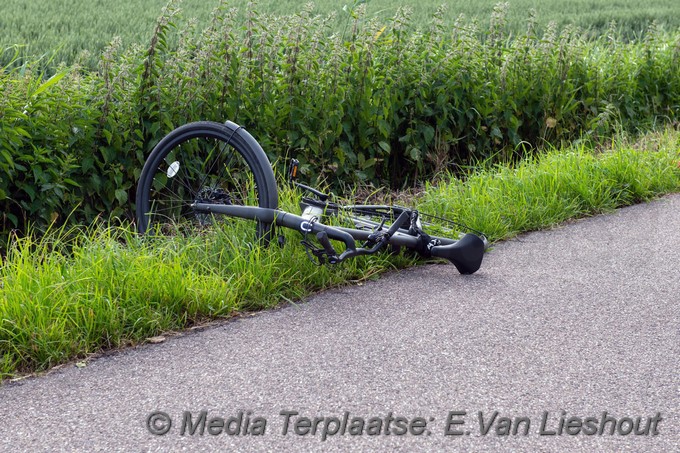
(205, 162)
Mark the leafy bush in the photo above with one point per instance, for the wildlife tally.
(382, 103)
(43, 124)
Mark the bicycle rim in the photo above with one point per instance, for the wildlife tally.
(203, 162)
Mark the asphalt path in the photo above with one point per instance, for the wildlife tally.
(562, 333)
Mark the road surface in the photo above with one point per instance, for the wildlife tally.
(561, 338)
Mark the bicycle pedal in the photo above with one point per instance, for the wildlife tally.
(293, 170)
(281, 239)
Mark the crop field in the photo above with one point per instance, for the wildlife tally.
(77, 30)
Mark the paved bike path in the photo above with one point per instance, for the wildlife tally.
(566, 324)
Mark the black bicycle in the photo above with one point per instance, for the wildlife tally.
(206, 168)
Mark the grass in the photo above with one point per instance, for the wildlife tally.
(78, 30)
(558, 185)
(73, 293)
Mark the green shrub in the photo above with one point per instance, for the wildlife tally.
(383, 103)
(43, 125)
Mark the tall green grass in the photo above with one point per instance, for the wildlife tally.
(558, 185)
(72, 293)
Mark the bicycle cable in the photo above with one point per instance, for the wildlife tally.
(452, 222)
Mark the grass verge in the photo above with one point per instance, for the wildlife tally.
(558, 185)
(73, 293)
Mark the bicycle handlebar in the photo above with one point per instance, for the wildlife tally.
(466, 253)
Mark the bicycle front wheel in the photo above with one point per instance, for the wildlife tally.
(203, 162)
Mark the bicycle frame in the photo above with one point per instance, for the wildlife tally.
(160, 192)
(466, 253)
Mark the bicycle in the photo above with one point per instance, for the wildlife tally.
(204, 169)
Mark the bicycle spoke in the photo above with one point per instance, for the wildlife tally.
(212, 166)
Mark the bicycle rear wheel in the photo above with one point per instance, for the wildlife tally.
(204, 162)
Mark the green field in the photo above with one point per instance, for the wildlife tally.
(79, 29)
